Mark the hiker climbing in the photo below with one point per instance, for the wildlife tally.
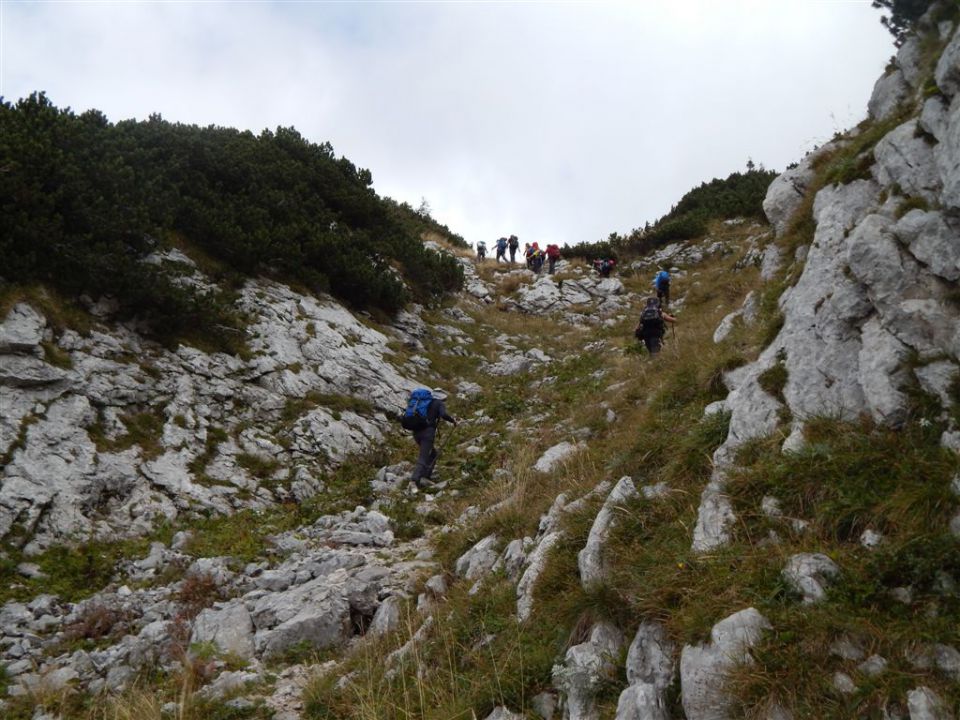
(536, 258)
(553, 254)
(425, 409)
(481, 251)
(661, 283)
(528, 255)
(502, 249)
(513, 243)
(653, 325)
(604, 266)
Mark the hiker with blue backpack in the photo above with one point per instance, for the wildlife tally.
(661, 283)
(502, 249)
(425, 410)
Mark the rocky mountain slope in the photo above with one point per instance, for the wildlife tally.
(762, 522)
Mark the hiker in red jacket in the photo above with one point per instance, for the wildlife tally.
(553, 254)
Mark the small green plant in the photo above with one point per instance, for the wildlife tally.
(258, 466)
(773, 380)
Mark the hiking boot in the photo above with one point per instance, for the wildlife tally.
(425, 484)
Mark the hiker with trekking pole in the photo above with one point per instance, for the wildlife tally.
(425, 410)
(653, 326)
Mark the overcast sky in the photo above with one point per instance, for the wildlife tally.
(556, 121)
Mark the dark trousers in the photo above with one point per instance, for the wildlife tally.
(428, 455)
(552, 264)
(653, 343)
(513, 255)
(663, 295)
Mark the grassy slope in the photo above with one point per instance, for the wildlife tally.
(853, 477)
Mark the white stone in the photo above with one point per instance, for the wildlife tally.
(870, 539)
(924, 704)
(478, 561)
(641, 702)
(589, 559)
(703, 667)
(585, 668)
(536, 563)
(556, 455)
(22, 329)
(810, 574)
(844, 683)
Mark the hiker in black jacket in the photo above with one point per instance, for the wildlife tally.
(425, 438)
(653, 325)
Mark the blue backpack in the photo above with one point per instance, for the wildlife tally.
(662, 280)
(415, 416)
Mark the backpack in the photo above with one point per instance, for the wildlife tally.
(415, 416)
(662, 280)
(514, 242)
(651, 322)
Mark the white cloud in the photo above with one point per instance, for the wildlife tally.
(555, 121)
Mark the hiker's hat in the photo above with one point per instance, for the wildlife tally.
(439, 393)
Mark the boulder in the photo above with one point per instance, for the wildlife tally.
(22, 329)
(703, 668)
(387, 617)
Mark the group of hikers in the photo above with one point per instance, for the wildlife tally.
(503, 245)
(426, 408)
(532, 254)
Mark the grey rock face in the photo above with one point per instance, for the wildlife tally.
(229, 628)
(61, 484)
(589, 559)
(641, 702)
(947, 72)
(947, 157)
(906, 159)
(650, 658)
(586, 666)
(22, 330)
(387, 618)
(546, 296)
(890, 91)
(932, 241)
(786, 193)
(703, 667)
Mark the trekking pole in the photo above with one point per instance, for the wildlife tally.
(443, 444)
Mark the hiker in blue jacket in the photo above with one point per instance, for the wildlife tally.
(661, 283)
(426, 436)
(502, 249)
